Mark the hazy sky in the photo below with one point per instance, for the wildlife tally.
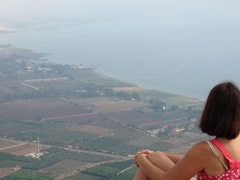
(168, 11)
(195, 42)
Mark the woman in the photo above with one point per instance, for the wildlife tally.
(215, 159)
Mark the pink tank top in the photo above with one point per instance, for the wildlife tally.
(232, 174)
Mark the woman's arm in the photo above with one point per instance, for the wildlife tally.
(163, 161)
(159, 155)
(174, 157)
(193, 162)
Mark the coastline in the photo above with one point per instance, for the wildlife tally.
(166, 72)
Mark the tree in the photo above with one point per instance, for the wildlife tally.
(157, 105)
(135, 96)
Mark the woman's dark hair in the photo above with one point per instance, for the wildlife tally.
(221, 115)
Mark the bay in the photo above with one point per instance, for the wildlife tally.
(183, 60)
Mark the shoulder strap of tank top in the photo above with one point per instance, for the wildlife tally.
(217, 155)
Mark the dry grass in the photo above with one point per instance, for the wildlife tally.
(128, 88)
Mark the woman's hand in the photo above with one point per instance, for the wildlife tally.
(139, 158)
(144, 152)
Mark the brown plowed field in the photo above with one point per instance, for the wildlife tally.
(22, 149)
(112, 106)
(31, 109)
(4, 144)
(95, 120)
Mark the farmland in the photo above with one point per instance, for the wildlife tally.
(84, 120)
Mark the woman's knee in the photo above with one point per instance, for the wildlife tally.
(160, 160)
(156, 156)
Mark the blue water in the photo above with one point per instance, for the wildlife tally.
(182, 60)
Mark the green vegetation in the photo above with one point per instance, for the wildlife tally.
(63, 167)
(72, 108)
(23, 175)
(110, 170)
(9, 160)
(85, 177)
(51, 159)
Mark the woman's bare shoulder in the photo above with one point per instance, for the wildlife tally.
(194, 161)
(202, 145)
(200, 152)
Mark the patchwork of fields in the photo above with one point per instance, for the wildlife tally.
(113, 127)
(88, 125)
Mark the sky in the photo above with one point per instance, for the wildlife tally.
(172, 12)
(193, 35)
(172, 15)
